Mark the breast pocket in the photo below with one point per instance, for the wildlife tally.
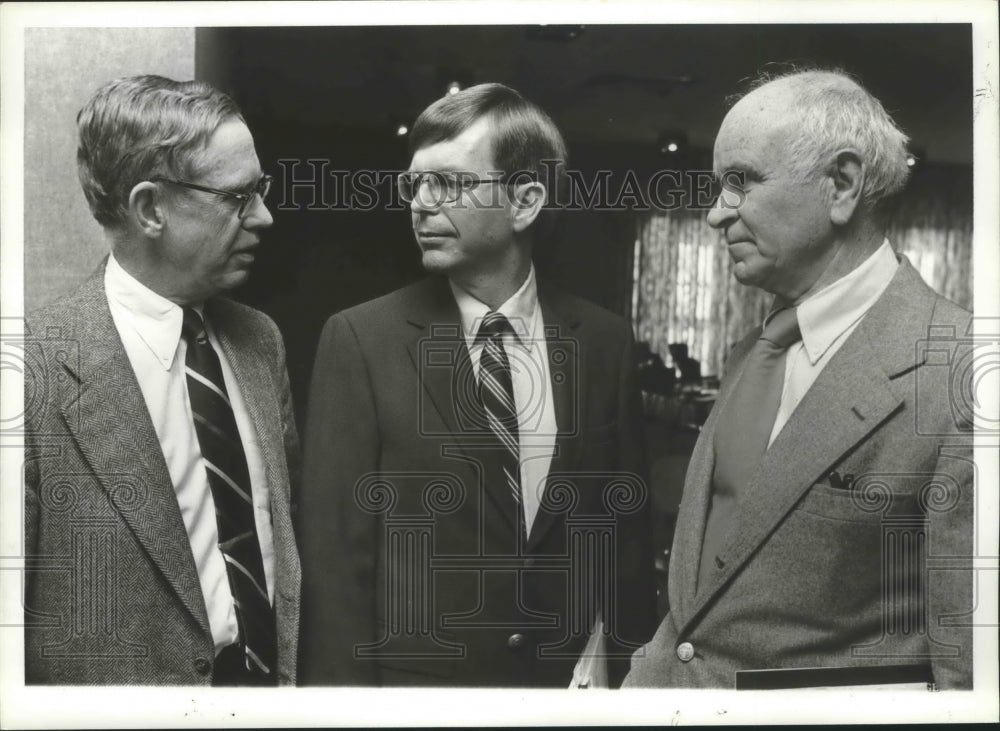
(871, 497)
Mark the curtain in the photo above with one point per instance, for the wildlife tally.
(932, 227)
(684, 290)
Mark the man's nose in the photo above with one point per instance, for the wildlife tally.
(258, 216)
(416, 206)
(724, 210)
(424, 202)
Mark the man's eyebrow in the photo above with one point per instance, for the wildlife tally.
(246, 184)
(442, 169)
(739, 167)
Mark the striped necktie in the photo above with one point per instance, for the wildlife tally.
(743, 430)
(496, 391)
(229, 479)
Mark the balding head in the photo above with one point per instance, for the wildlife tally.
(826, 112)
(807, 162)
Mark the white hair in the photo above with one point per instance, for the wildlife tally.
(831, 111)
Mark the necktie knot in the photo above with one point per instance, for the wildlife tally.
(493, 324)
(193, 329)
(783, 328)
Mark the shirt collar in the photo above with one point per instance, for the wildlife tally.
(826, 315)
(155, 319)
(521, 309)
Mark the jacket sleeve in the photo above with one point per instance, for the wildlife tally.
(336, 538)
(949, 505)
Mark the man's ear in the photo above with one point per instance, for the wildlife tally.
(527, 200)
(848, 175)
(145, 207)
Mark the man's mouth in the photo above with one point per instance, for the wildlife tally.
(432, 238)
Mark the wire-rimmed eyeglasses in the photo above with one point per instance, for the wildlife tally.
(442, 187)
(262, 187)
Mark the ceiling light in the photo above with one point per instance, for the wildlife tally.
(672, 142)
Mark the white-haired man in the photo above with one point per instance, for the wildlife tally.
(832, 468)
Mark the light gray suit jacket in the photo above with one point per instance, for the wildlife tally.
(817, 575)
(111, 590)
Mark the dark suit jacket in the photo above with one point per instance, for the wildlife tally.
(396, 529)
(112, 594)
(801, 583)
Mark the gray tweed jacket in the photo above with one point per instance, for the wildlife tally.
(111, 589)
(853, 540)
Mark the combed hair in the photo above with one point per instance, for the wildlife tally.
(831, 111)
(137, 127)
(522, 134)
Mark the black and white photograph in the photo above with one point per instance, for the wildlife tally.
(501, 363)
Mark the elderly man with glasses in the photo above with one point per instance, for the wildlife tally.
(473, 509)
(161, 444)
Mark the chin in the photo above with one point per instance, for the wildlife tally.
(234, 279)
(751, 276)
(437, 262)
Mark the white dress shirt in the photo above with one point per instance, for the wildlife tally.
(528, 353)
(826, 320)
(150, 329)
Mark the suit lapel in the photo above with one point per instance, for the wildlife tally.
(437, 347)
(252, 370)
(112, 428)
(693, 512)
(567, 379)
(851, 397)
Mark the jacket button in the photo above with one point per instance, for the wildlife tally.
(685, 651)
(515, 640)
(203, 666)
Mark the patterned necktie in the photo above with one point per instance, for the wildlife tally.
(744, 428)
(229, 479)
(496, 391)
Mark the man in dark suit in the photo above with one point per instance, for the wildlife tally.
(835, 468)
(161, 447)
(473, 508)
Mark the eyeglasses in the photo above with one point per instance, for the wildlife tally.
(441, 187)
(262, 187)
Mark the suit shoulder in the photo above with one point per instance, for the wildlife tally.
(65, 314)
(947, 313)
(228, 313)
(390, 306)
(571, 307)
